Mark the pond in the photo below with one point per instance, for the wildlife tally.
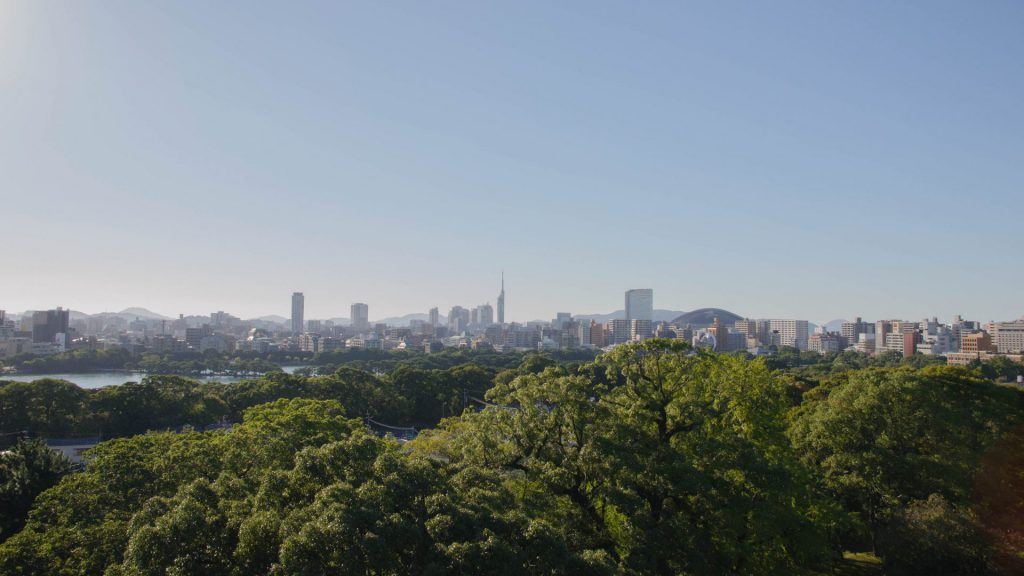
(103, 378)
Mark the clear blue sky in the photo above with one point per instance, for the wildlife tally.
(780, 159)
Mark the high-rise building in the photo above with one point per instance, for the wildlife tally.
(721, 334)
(458, 320)
(484, 315)
(597, 338)
(618, 331)
(360, 317)
(6, 327)
(640, 304)
(852, 332)
(757, 332)
(298, 312)
(50, 325)
(501, 300)
(583, 333)
(825, 342)
(792, 333)
(435, 317)
(639, 330)
(561, 320)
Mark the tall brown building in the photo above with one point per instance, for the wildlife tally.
(597, 338)
(721, 334)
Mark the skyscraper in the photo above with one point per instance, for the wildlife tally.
(501, 300)
(640, 306)
(360, 316)
(298, 312)
(434, 317)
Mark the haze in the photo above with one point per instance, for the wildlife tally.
(792, 159)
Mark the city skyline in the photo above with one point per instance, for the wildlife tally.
(298, 305)
(786, 160)
(54, 331)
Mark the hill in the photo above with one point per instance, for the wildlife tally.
(659, 315)
(137, 312)
(705, 316)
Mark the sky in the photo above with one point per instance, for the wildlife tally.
(812, 160)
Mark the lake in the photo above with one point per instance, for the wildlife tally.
(102, 378)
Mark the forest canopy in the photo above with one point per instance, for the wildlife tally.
(651, 459)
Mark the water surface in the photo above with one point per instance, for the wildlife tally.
(102, 378)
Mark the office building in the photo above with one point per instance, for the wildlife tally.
(976, 342)
(618, 331)
(721, 333)
(298, 312)
(435, 317)
(639, 330)
(1007, 337)
(825, 342)
(194, 336)
(756, 332)
(791, 333)
(482, 315)
(852, 332)
(50, 327)
(458, 320)
(640, 304)
(360, 314)
(561, 320)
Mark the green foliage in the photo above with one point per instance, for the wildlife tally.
(881, 439)
(933, 537)
(26, 470)
(45, 407)
(72, 361)
(655, 459)
(678, 466)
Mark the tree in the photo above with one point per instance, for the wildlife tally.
(882, 438)
(26, 470)
(675, 462)
(44, 407)
(933, 537)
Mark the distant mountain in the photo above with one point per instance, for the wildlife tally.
(272, 318)
(405, 320)
(835, 325)
(705, 316)
(128, 315)
(659, 315)
(137, 312)
(397, 321)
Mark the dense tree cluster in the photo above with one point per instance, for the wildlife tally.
(652, 459)
(244, 363)
(72, 361)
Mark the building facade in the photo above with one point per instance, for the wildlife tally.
(360, 314)
(298, 312)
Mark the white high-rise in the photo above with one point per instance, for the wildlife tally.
(792, 333)
(640, 306)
